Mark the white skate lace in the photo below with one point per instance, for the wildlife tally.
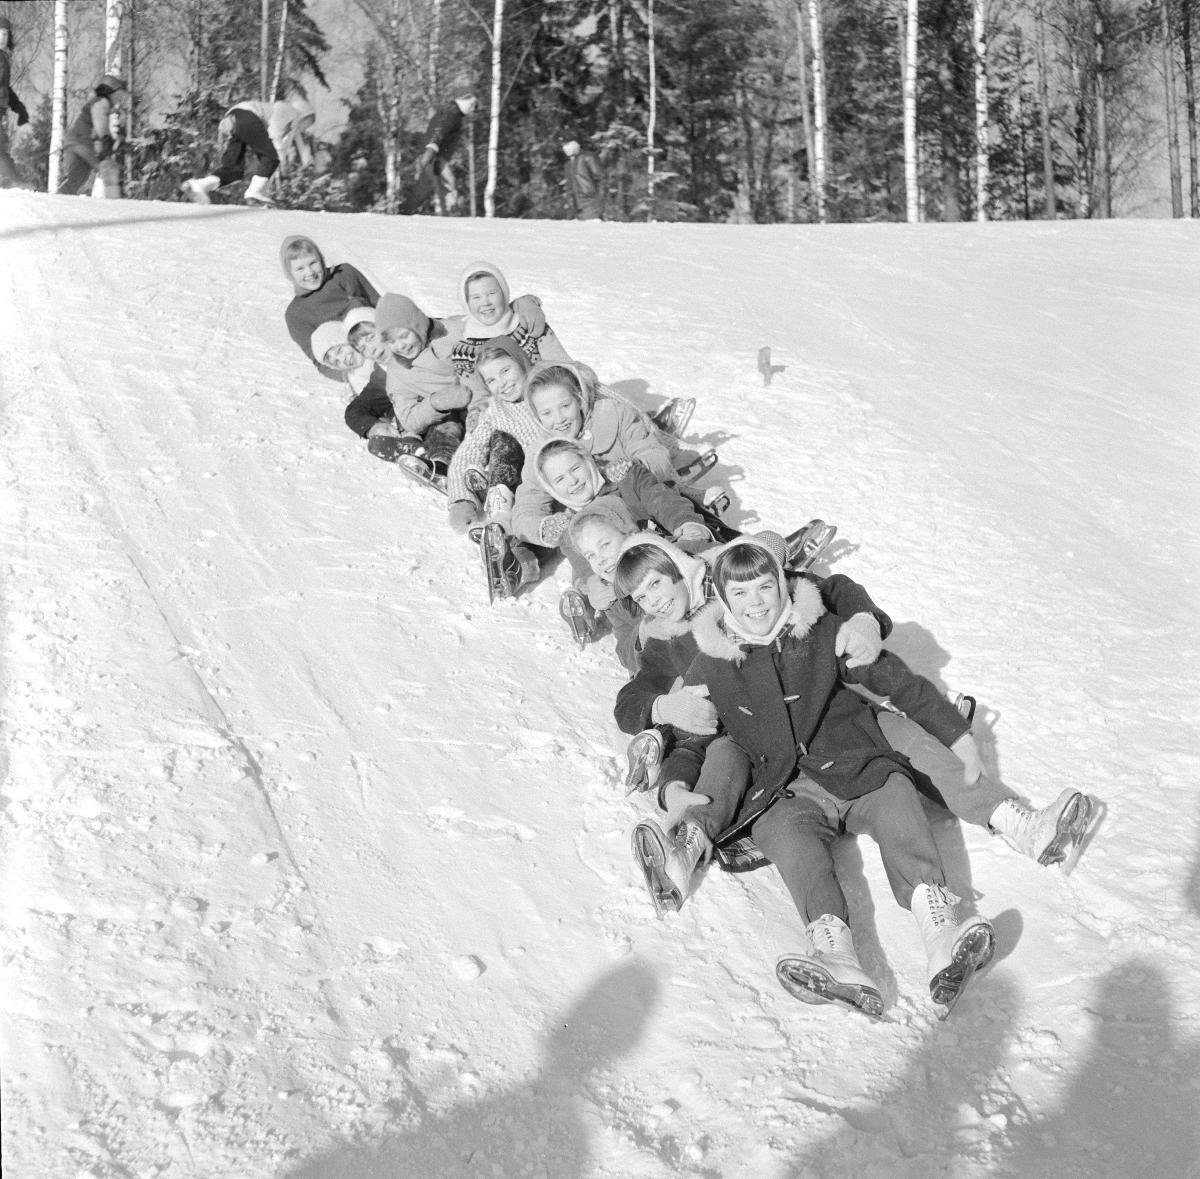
(824, 934)
(688, 840)
(941, 906)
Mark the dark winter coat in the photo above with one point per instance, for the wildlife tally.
(789, 707)
(444, 130)
(667, 656)
(584, 180)
(90, 128)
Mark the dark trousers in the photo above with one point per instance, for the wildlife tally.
(8, 170)
(505, 459)
(441, 440)
(78, 164)
(797, 833)
(249, 133)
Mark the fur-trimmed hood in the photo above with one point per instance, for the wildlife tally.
(713, 639)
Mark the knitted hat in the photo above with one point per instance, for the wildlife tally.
(357, 315)
(328, 335)
(398, 311)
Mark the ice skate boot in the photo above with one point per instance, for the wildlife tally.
(391, 447)
(576, 611)
(716, 501)
(507, 563)
(645, 754)
(830, 972)
(421, 470)
(700, 465)
(1049, 835)
(965, 705)
(256, 192)
(805, 545)
(955, 950)
(199, 188)
(673, 417)
(668, 863)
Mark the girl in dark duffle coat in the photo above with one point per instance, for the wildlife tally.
(820, 766)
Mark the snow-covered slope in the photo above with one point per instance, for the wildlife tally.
(316, 865)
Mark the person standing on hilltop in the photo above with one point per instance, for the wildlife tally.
(8, 102)
(585, 182)
(435, 177)
(88, 145)
(271, 130)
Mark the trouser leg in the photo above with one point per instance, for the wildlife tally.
(894, 818)
(441, 441)
(422, 189)
(724, 777)
(78, 164)
(252, 131)
(972, 802)
(796, 835)
(8, 170)
(233, 158)
(504, 461)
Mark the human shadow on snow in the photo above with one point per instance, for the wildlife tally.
(1133, 1107)
(934, 1109)
(532, 1128)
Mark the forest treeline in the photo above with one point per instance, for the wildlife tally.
(704, 110)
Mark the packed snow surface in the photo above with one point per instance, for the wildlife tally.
(314, 864)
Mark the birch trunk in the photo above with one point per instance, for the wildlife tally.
(264, 49)
(982, 164)
(489, 192)
(1050, 198)
(279, 56)
(1172, 105)
(820, 105)
(58, 110)
(912, 197)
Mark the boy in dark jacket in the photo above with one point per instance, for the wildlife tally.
(820, 766)
(322, 294)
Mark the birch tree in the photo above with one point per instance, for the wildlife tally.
(820, 107)
(1050, 202)
(806, 116)
(982, 130)
(653, 114)
(912, 198)
(58, 115)
(489, 191)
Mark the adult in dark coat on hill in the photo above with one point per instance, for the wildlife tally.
(435, 178)
(88, 144)
(8, 102)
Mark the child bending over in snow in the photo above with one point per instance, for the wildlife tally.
(820, 765)
(322, 293)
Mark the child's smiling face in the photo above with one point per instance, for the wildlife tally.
(558, 410)
(404, 343)
(568, 475)
(503, 377)
(307, 272)
(754, 605)
(600, 546)
(342, 357)
(485, 299)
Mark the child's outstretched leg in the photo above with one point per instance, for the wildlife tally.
(955, 947)
(795, 835)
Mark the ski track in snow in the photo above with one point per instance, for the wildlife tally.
(316, 865)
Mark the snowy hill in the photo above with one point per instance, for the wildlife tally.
(316, 865)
